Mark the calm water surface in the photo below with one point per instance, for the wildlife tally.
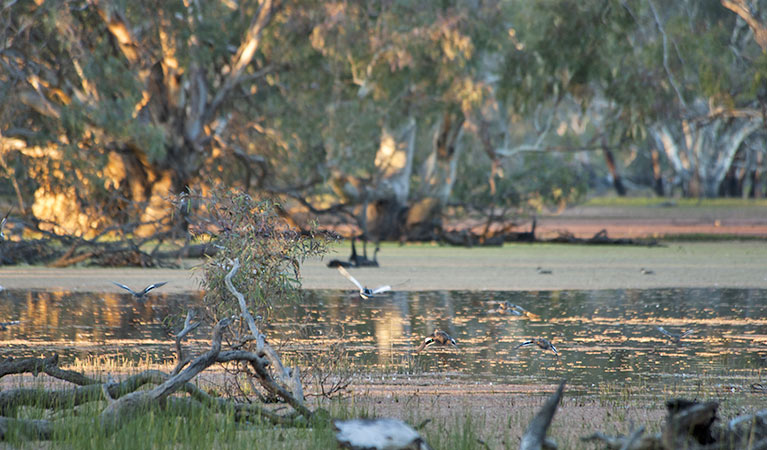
(602, 336)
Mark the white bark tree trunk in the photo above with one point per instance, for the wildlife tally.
(702, 151)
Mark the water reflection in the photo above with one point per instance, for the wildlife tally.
(602, 336)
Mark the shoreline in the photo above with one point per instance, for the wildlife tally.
(416, 267)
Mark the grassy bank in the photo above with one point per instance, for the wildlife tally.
(461, 420)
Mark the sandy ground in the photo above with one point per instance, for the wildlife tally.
(512, 267)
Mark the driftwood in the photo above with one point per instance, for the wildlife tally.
(385, 433)
(693, 425)
(127, 407)
(599, 238)
(126, 399)
(535, 435)
(290, 388)
(468, 238)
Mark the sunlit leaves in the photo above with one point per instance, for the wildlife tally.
(269, 251)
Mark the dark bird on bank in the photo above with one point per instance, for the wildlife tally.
(141, 294)
(542, 343)
(365, 292)
(439, 338)
(675, 337)
(4, 325)
(355, 260)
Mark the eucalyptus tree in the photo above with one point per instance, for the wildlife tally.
(113, 104)
(709, 70)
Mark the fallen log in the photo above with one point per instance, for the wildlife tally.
(128, 407)
(535, 435)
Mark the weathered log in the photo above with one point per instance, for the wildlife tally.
(26, 428)
(535, 435)
(126, 408)
(689, 421)
(47, 365)
(385, 433)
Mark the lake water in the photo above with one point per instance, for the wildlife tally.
(602, 336)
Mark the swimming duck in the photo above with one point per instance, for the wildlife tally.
(141, 294)
(365, 292)
(542, 343)
(437, 338)
(644, 271)
(543, 271)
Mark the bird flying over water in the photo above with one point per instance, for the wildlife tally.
(141, 294)
(510, 308)
(4, 325)
(2, 225)
(542, 343)
(365, 292)
(675, 337)
(437, 338)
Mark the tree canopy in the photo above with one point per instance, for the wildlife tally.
(391, 114)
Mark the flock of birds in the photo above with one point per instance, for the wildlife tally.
(440, 338)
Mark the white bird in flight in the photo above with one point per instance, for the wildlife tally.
(141, 294)
(365, 292)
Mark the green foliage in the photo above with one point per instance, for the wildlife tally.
(529, 184)
(270, 253)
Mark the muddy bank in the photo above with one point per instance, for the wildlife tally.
(512, 267)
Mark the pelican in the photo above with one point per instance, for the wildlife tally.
(365, 292)
(437, 338)
(542, 343)
(4, 325)
(141, 294)
(675, 337)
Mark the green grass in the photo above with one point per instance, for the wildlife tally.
(727, 202)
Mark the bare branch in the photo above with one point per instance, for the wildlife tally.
(289, 377)
(181, 361)
(670, 75)
(243, 57)
(740, 7)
